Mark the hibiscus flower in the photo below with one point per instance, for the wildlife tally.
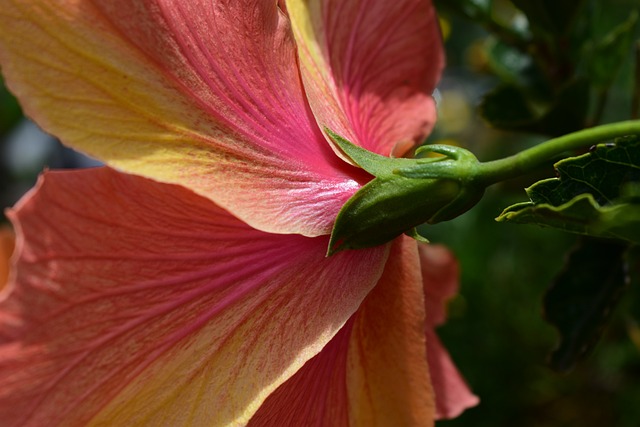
(186, 283)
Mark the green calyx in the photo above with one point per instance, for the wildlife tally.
(405, 193)
(408, 192)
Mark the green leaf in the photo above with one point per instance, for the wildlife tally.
(582, 215)
(580, 301)
(596, 194)
(608, 54)
(373, 163)
(512, 108)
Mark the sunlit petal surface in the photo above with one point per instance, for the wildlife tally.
(369, 68)
(139, 303)
(374, 371)
(204, 94)
(440, 274)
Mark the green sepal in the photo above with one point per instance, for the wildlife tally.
(405, 193)
(414, 234)
(373, 163)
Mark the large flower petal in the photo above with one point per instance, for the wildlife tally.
(204, 94)
(440, 275)
(136, 302)
(370, 68)
(374, 371)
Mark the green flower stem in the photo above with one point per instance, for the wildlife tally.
(535, 157)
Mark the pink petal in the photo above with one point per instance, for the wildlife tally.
(200, 93)
(440, 275)
(137, 303)
(374, 371)
(369, 68)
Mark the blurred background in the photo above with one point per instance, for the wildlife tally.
(496, 331)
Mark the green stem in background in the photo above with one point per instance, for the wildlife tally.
(535, 157)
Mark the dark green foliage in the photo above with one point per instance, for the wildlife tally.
(551, 64)
(510, 107)
(500, 342)
(471, 9)
(595, 194)
(10, 111)
(606, 55)
(567, 67)
(582, 297)
(550, 17)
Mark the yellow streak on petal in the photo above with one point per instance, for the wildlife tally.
(300, 13)
(318, 75)
(171, 391)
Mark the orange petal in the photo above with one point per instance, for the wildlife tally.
(440, 275)
(7, 242)
(374, 371)
(203, 94)
(370, 68)
(139, 303)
